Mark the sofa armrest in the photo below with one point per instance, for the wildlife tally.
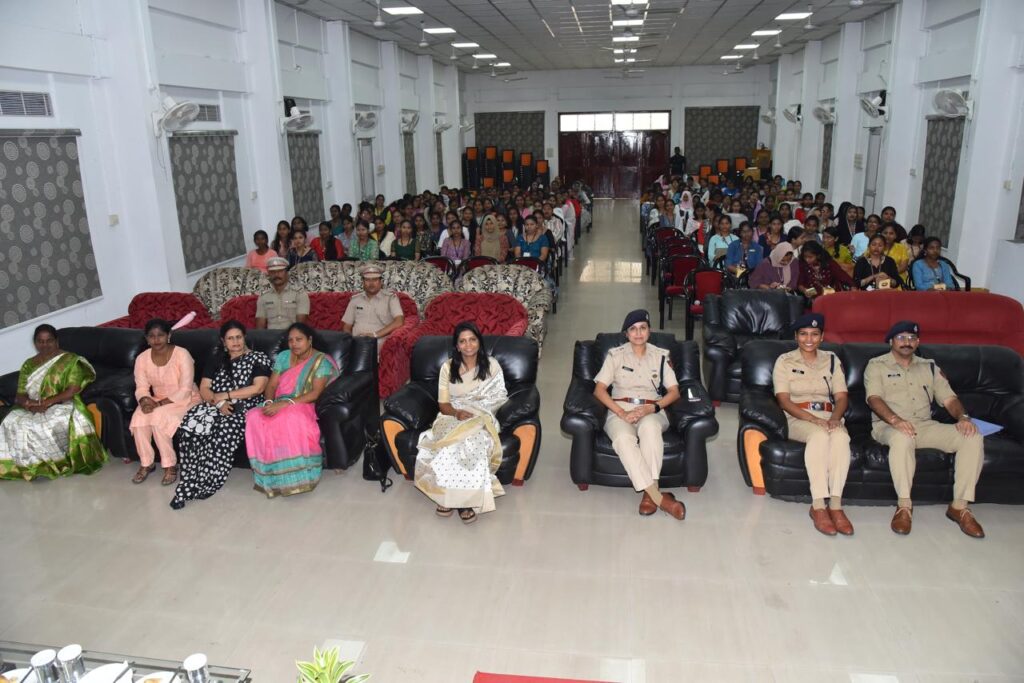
(124, 321)
(347, 393)
(581, 404)
(412, 406)
(719, 337)
(521, 405)
(1011, 417)
(8, 387)
(694, 403)
(765, 412)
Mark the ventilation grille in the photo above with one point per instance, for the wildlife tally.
(209, 112)
(15, 103)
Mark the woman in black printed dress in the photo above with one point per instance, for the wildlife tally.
(211, 431)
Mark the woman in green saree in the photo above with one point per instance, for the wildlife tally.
(49, 432)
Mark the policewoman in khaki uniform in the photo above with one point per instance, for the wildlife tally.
(811, 387)
(642, 384)
(901, 387)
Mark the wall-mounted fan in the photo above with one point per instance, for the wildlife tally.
(465, 124)
(769, 117)
(409, 121)
(824, 115)
(364, 122)
(440, 125)
(175, 116)
(296, 120)
(951, 104)
(793, 114)
(875, 106)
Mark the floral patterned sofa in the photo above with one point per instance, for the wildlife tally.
(519, 282)
(215, 287)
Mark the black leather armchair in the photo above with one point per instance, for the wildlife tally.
(734, 318)
(988, 380)
(692, 420)
(346, 406)
(411, 410)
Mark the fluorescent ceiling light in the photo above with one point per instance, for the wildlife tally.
(628, 22)
(732, 56)
(502, 64)
(627, 51)
(792, 16)
(485, 55)
(746, 46)
(626, 39)
(629, 2)
(465, 44)
(402, 10)
(767, 32)
(443, 29)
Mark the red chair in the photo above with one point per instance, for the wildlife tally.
(240, 308)
(698, 284)
(444, 264)
(326, 309)
(477, 261)
(673, 282)
(534, 264)
(171, 306)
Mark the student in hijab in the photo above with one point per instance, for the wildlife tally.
(779, 271)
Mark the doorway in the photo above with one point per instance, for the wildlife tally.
(871, 169)
(366, 169)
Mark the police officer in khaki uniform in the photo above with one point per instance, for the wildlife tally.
(811, 387)
(284, 304)
(373, 312)
(642, 384)
(900, 387)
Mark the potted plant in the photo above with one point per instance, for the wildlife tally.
(327, 667)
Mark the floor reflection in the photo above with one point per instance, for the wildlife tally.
(612, 271)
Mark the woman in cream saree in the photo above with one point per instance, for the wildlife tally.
(461, 451)
(49, 432)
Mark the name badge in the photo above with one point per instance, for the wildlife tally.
(939, 287)
(884, 284)
(359, 308)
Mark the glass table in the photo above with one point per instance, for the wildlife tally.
(19, 655)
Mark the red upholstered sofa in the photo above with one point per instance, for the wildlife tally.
(171, 306)
(945, 317)
(325, 311)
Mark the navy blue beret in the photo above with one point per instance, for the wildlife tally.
(903, 326)
(815, 320)
(634, 317)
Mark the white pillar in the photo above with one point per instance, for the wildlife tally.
(993, 135)
(451, 139)
(339, 114)
(392, 184)
(905, 107)
(783, 155)
(809, 161)
(426, 142)
(264, 107)
(847, 127)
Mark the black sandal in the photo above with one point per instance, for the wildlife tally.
(443, 511)
(467, 515)
(143, 473)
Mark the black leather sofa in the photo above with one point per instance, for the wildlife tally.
(692, 422)
(411, 410)
(732, 319)
(988, 380)
(347, 405)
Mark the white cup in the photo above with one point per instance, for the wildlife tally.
(70, 663)
(44, 665)
(195, 668)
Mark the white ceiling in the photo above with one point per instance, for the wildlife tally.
(514, 31)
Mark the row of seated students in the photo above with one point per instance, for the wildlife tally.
(783, 238)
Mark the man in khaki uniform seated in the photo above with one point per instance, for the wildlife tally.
(373, 312)
(900, 387)
(643, 384)
(283, 305)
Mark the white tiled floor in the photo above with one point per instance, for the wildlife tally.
(556, 582)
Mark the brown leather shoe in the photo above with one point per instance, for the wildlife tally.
(672, 506)
(965, 518)
(647, 506)
(823, 522)
(901, 521)
(841, 522)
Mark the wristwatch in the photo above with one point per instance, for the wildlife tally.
(964, 416)
(657, 408)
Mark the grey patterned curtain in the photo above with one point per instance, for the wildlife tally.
(522, 131)
(941, 166)
(46, 257)
(714, 133)
(206, 192)
(409, 149)
(826, 154)
(307, 185)
(440, 158)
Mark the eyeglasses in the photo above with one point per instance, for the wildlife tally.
(903, 338)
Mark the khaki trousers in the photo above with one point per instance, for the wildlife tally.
(826, 456)
(969, 450)
(640, 447)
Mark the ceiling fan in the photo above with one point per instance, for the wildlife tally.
(423, 36)
(495, 72)
(379, 22)
(738, 69)
(631, 48)
(627, 74)
(635, 11)
(809, 26)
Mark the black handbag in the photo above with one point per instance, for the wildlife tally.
(376, 462)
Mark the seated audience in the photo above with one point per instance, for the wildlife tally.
(374, 312)
(258, 257)
(300, 251)
(779, 271)
(929, 271)
(460, 453)
(327, 247)
(405, 247)
(382, 235)
(718, 244)
(49, 432)
(896, 250)
(836, 250)
(915, 241)
(875, 270)
(165, 389)
(425, 242)
(859, 243)
(775, 235)
(211, 431)
(846, 222)
(282, 305)
(532, 242)
(282, 239)
(743, 254)
(819, 274)
(381, 214)
(456, 245)
(282, 437)
(337, 221)
(362, 246)
(491, 240)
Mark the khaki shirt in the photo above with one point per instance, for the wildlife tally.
(908, 392)
(808, 382)
(632, 377)
(282, 309)
(366, 314)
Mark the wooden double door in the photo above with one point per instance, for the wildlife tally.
(614, 163)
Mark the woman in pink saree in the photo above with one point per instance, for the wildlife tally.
(282, 437)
